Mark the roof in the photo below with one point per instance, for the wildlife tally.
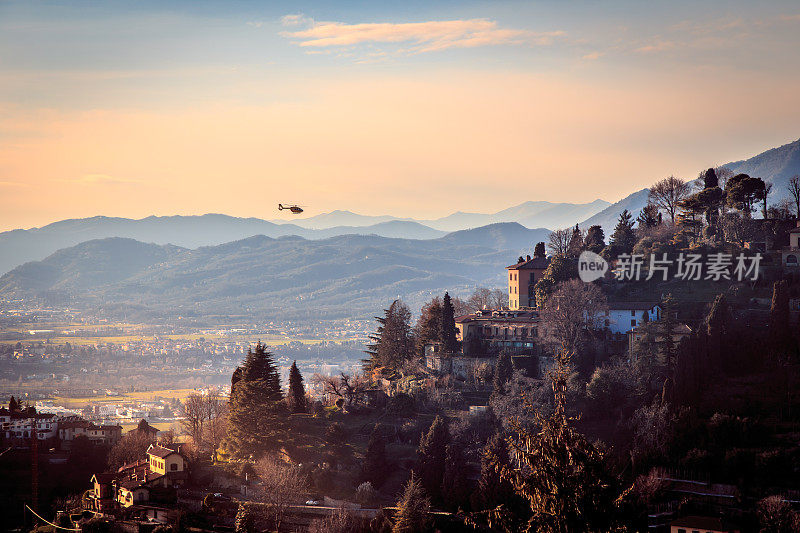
(539, 263)
(502, 316)
(701, 522)
(640, 305)
(160, 451)
(133, 484)
(104, 477)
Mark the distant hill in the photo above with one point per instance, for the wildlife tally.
(607, 218)
(776, 166)
(262, 277)
(533, 214)
(20, 246)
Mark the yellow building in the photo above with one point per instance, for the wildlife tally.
(522, 279)
(164, 460)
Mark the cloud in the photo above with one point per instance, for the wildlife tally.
(100, 179)
(255, 23)
(418, 36)
(296, 20)
(657, 46)
(592, 56)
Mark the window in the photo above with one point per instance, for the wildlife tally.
(510, 276)
(633, 323)
(633, 312)
(173, 466)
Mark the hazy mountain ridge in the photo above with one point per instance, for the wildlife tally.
(343, 276)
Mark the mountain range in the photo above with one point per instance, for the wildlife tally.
(267, 278)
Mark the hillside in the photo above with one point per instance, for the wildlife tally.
(261, 277)
(777, 166)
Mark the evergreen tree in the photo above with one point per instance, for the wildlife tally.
(412, 509)
(560, 269)
(13, 405)
(558, 472)
(780, 333)
(297, 393)
(375, 460)
(244, 522)
(575, 243)
(392, 342)
(255, 418)
(493, 489)
(649, 217)
(623, 239)
(431, 457)
(710, 179)
(447, 332)
(502, 372)
(595, 239)
(429, 325)
(538, 250)
(455, 490)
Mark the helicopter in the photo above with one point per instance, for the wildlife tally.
(295, 209)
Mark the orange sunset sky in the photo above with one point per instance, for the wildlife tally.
(189, 108)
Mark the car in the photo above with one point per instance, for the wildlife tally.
(313, 502)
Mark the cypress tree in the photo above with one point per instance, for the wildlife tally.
(428, 325)
(374, 468)
(392, 342)
(13, 405)
(447, 333)
(502, 372)
(432, 455)
(623, 239)
(595, 239)
(297, 393)
(780, 333)
(538, 250)
(413, 508)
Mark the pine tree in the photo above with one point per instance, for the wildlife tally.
(447, 332)
(623, 239)
(502, 372)
(780, 333)
(412, 509)
(255, 418)
(297, 393)
(375, 460)
(575, 243)
(595, 239)
(13, 405)
(455, 491)
(392, 342)
(538, 250)
(431, 457)
(244, 522)
(493, 489)
(428, 325)
(558, 472)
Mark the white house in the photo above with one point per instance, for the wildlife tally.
(622, 317)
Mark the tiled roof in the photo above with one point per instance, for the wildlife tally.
(537, 263)
(160, 451)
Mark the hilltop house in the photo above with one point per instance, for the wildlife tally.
(522, 278)
(622, 317)
(22, 425)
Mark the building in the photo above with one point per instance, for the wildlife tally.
(25, 425)
(701, 524)
(522, 279)
(790, 257)
(100, 435)
(622, 317)
(655, 330)
(489, 331)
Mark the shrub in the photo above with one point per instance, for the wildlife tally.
(335, 434)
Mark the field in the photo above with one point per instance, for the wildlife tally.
(72, 403)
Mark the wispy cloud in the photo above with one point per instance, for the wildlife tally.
(418, 37)
(100, 179)
(591, 56)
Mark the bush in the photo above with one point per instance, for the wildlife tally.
(335, 434)
(401, 404)
(366, 494)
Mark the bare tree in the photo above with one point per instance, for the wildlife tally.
(460, 307)
(480, 299)
(499, 299)
(197, 410)
(794, 190)
(667, 193)
(572, 309)
(351, 389)
(282, 485)
(559, 240)
(723, 175)
(767, 190)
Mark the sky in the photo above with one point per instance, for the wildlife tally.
(133, 109)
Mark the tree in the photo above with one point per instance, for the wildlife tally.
(350, 389)
(197, 410)
(493, 488)
(454, 490)
(297, 393)
(391, 343)
(447, 327)
(780, 332)
(764, 194)
(502, 372)
(595, 239)
(794, 191)
(13, 405)
(668, 307)
(666, 194)
(775, 515)
(256, 406)
(481, 299)
(742, 191)
(649, 217)
(557, 471)
(558, 241)
(373, 469)
(623, 239)
(431, 457)
(573, 309)
(282, 485)
(710, 179)
(575, 242)
(428, 327)
(538, 250)
(412, 509)
(129, 449)
(244, 522)
(560, 269)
